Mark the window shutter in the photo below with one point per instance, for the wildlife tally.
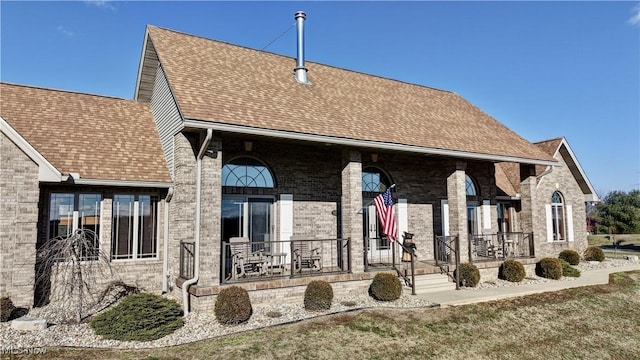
(286, 217)
(403, 219)
(445, 217)
(547, 208)
(486, 214)
(569, 222)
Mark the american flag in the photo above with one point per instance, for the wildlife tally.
(384, 208)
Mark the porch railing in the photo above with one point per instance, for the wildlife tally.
(187, 259)
(265, 260)
(501, 246)
(447, 256)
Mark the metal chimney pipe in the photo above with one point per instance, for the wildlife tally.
(300, 70)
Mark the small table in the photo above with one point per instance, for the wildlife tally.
(274, 266)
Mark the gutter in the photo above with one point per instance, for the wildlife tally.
(165, 261)
(196, 257)
(334, 140)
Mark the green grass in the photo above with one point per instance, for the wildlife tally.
(581, 323)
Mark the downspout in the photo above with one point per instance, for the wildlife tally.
(544, 173)
(196, 256)
(165, 262)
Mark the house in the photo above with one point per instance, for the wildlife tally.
(233, 165)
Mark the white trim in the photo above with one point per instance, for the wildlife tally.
(403, 217)
(569, 222)
(445, 216)
(549, 220)
(199, 124)
(75, 220)
(46, 171)
(136, 227)
(593, 196)
(141, 63)
(486, 214)
(125, 183)
(286, 222)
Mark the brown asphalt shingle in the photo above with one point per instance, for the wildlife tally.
(98, 137)
(223, 83)
(508, 174)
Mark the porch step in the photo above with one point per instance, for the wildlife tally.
(432, 283)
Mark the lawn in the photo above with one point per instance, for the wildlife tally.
(616, 246)
(598, 322)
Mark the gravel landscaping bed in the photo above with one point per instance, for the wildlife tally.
(534, 279)
(200, 326)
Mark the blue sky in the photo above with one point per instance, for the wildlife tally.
(544, 69)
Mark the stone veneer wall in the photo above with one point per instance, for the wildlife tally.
(19, 193)
(560, 179)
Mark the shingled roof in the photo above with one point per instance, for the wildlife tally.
(97, 137)
(508, 174)
(220, 83)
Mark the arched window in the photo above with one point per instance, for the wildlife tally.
(470, 186)
(557, 216)
(374, 180)
(246, 172)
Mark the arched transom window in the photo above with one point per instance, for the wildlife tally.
(557, 216)
(246, 172)
(374, 180)
(470, 186)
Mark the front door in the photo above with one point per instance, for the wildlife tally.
(378, 248)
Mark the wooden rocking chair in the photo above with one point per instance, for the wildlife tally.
(305, 255)
(244, 262)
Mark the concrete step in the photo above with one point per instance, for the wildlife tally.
(432, 283)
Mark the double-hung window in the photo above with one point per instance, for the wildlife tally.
(135, 226)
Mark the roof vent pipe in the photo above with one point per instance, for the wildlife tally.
(300, 70)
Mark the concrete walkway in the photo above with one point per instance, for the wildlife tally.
(462, 297)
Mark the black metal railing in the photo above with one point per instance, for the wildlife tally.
(187, 259)
(380, 254)
(299, 257)
(447, 256)
(501, 246)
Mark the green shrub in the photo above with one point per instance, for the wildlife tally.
(593, 253)
(469, 275)
(318, 295)
(570, 256)
(568, 270)
(139, 317)
(512, 270)
(549, 268)
(233, 306)
(385, 287)
(6, 308)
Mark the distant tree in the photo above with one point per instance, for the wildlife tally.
(619, 213)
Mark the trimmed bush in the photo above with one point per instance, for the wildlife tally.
(469, 275)
(568, 270)
(570, 256)
(385, 287)
(512, 271)
(6, 308)
(233, 306)
(593, 253)
(549, 268)
(318, 295)
(139, 317)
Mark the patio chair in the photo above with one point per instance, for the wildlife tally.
(305, 255)
(244, 262)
